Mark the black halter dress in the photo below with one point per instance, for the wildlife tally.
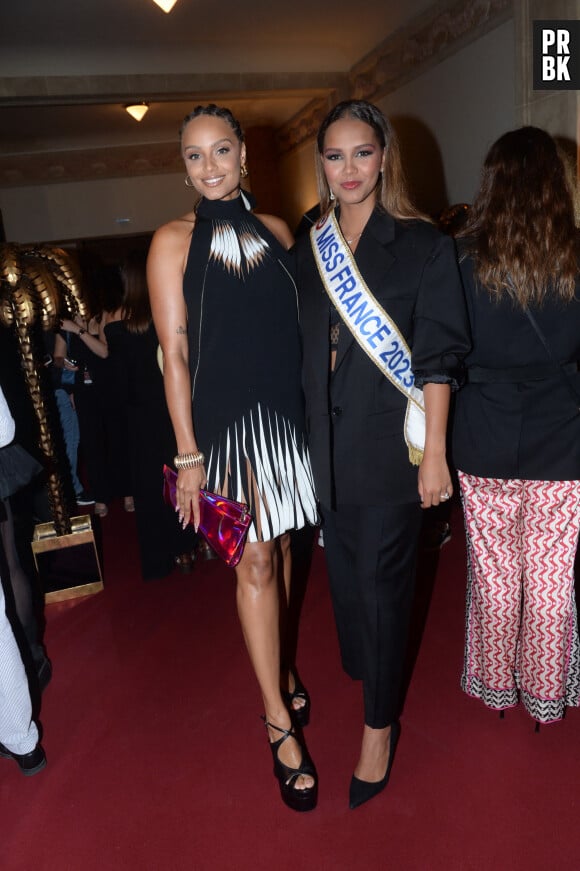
(244, 358)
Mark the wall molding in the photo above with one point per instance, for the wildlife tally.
(303, 127)
(90, 165)
(442, 30)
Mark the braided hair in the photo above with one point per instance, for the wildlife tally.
(216, 112)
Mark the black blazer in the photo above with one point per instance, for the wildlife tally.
(355, 416)
(528, 427)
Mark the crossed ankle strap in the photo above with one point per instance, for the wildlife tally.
(287, 733)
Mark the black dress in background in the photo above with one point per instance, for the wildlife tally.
(151, 444)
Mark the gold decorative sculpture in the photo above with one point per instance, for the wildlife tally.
(36, 285)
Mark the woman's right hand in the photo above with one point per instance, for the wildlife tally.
(189, 483)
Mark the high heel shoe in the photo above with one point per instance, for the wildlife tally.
(300, 716)
(363, 790)
(297, 799)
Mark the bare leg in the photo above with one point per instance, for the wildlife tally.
(286, 553)
(259, 611)
(374, 755)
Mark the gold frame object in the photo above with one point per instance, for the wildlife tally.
(56, 553)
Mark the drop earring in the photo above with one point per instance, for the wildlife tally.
(332, 197)
(188, 182)
(244, 171)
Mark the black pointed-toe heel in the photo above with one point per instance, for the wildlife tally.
(363, 790)
(300, 716)
(297, 799)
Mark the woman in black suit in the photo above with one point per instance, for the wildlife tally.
(373, 253)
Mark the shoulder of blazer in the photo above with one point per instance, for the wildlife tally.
(391, 231)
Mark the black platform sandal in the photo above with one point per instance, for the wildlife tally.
(297, 799)
(300, 716)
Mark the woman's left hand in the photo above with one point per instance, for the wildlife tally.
(434, 481)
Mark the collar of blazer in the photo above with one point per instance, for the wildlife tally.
(381, 226)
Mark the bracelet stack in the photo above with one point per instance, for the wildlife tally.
(189, 461)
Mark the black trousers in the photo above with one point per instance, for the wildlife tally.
(371, 559)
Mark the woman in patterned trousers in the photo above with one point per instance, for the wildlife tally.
(517, 430)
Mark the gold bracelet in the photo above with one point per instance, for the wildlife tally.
(188, 461)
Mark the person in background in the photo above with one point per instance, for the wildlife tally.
(64, 375)
(516, 436)
(225, 310)
(100, 388)
(163, 544)
(377, 458)
(81, 353)
(114, 389)
(19, 739)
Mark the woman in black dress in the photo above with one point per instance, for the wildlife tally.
(163, 545)
(225, 309)
(380, 302)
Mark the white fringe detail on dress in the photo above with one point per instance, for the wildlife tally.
(239, 254)
(273, 476)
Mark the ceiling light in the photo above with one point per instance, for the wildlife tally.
(166, 5)
(137, 110)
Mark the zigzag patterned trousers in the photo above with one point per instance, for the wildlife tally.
(521, 636)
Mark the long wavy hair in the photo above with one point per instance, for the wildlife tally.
(521, 228)
(136, 309)
(392, 194)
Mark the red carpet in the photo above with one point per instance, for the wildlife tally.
(157, 758)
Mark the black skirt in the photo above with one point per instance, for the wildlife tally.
(17, 469)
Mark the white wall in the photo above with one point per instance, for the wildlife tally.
(448, 117)
(77, 210)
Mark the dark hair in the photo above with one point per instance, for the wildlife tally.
(216, 112)
(392, 192)
(136, 308)
(522, 227)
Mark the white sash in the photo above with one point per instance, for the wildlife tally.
(370, 325)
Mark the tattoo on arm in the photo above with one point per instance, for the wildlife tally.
(181, 331)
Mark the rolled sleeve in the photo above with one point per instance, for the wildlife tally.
(441, 335)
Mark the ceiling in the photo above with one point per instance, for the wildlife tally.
(67, 68)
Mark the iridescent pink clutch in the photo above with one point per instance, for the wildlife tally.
(223, 522)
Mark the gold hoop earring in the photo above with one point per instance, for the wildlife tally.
(188, 182)
(244, 171)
